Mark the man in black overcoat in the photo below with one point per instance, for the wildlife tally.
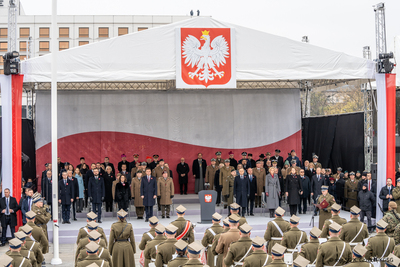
(148, 192)
(65, 196)
(199, 172)
(96, 193)
(253, 191)
(241, 190)
(8, 207)
(183, 170)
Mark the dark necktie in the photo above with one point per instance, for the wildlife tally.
(7, 208)
(148, 179)
(65, 182)
(369, 186)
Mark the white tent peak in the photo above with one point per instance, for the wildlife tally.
(150, 56)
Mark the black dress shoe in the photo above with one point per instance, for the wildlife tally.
(163, 217)
(2, 244)
(146, 220)
(99, 221)
(167, 216)
(68, 222)
(75, 219)
(251, 214)
(63, 222)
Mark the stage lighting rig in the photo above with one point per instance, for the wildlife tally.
(384, 63)
(11, 63)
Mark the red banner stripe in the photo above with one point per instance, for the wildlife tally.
(390, 80)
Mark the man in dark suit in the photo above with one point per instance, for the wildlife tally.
(9, 207)
(96, 193)
(26, 203)
(148, 192)
(125, 172)
(65, 196)
(74, 182)
(278, 158)
(123, 160)
(183, 169)
(371, 186)
(253, 191)
(60, 166)
(241, 190)
(47, 189)
(133, 163)
(154, 163)
(87, 177)
(81, 162)
(386, 194)
(199, 172)
(108, 163)
(317, 181)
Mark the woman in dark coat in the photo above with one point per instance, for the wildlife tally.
(293, 190)
(123, 194)
(332, 187)
(109, 178)
(339, 198)
(241, 190)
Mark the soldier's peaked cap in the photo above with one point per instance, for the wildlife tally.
(122, 214)
(92, 225)
(92, 247)
(171, 229)
(94, 235)
(195, 248)
(279, 211)
(234, 218)
(359, 251)
(278, 250)
(181, 245)
(160, 229)
(300, 262)
(30, 215)
(315, 232)
(324, 187)
(234, 206)
(91, 216)
(226, 222)
(294, 219)
(93, 265)
(245, 228)
(153, 220)
(381, 224)
(213, 159)
(227, 160)
(26, 229)
(15, 243)
(218, 153)
(180, 209)
(392, 260)
(258, 242)
(335, 227)
(216, 216)
(355, 210)
(20, 235)
(336, 207)
(5, 260)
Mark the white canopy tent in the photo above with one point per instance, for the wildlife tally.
(149, 55)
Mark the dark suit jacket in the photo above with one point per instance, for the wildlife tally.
(280, 161)
(47, 189)
(196, 167)
(24, 205)
(148, 190)
(382, 195)
(253, 188)
(96, 189)
(12, 205)
(241, 189)
(76, 187)
(120, 165)
(183, 169)
(65, 192)
(316, 185)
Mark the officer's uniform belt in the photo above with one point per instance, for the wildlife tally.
(276, 238)
(122, 240)
(292, 250)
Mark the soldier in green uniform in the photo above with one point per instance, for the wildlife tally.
(194, 250)
(275, 229)
(90, 217)
(42, 215)
(24, 250)
(227, 188)
(277, 252)
(381, 245)
(93, 236)
(392, 261)
(185, 227)
(37, 232)
(147, 237)
(18, 259)
(209, 236)
(396, 194)
(234, 209)
(218, 160)
(358, 257)
(31, 244)
(260, 173)
(315, 162)
(224, 172)
(122, 242)
(310, 250)
(150, 251)
(259, 257)
(334, 252)
(166, 249)
(180, 257)
(325, 213)
(351, 191)
(240, 249)
(92, 227)
(392, 218)
(218, 258)
(5, 261)
(92, 250)
(226, 239)
(294, 238)
(335, 210)
(354, 232)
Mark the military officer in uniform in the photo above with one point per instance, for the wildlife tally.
(226, 239)
(135, 194)
(218, 258)
(277, 252)
(358, 257)
(334, 252)
(240, 249)
(166, 191)
(260, 173)
(354, 231)
(224, 182)
(310, 250)
(396, 194)
(380, 245)
(32, 245)
(24, 250)
(150, 251)
(92, 250)
(83, 231)
(259, 257)
(181, 258)
(122, 242)
(147, 237)
(18, 259)
(351, 191)
(392, 218)
(5, 261)
(235, 208)
(185, 227)
(209, 236)
(326, 212)
(227, 189)
(275, 229)
(166, 249)
(104, 254)
(91, 237)
(294, 238)
(37, 232)
(194, 250)
(210, 174)
(335, 210)
(315, 162)
(396, 250)
(42, 215)
(218, 160)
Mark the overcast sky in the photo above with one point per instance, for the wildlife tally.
(341, 25)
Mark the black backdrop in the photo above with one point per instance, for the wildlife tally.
(338, 140)
(28, 149)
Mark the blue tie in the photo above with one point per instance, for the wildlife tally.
(7, 208)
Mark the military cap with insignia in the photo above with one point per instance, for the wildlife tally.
(160, 229)
(92, 225)
(244, 153)
(315, 157)
(234, 206)
(37, 199)
(352, 173)
(259, 162)
(294, 219)
(20, 235)
(213, 159)
(227, 160)
(278, 250)
(92, 247)
(339, 169)
(392, 260)
(26, 229)
(315, 232)
(153, 220)
(161, 160)
(381, 224)
(216, 216)
(274, 161)
(195, 248)
(171, 229)
(155, 156)
(258, 242)
(355, 210)
(245, 228)
(324, 187)
(5, 260)
(268, 153)
(226, 222)
(136, 155)
(30, 215)
(91, 216)
(143, 163)
(122, 213)
(359, 251)
(336, 207)
(15, 243)
(181, 245)
(293, 161)
(335, 227)
(180, 209)
(218, 153)
(234, 218)
(94, 235)
(300, 261)
(279, 211)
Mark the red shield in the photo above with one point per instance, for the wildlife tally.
(208, 198)
(205, 56)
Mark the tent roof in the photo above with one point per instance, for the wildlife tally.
(150, 56)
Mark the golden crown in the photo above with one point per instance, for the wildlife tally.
(205, 32)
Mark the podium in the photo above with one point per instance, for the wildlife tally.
(208, 199)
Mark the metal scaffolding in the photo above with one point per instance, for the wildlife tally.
(368, 117)
(12, 27)
(380, 29)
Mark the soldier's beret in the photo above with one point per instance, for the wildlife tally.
(244, 153)
(92, 225)
(234, 218)
(358, 172)
(352, 173)
(300, 261)
(261, 156)
(143, 163)
(160, 229)
(91, 216)
(15, 243)
(26, 229)
(20, 235)
(94, 235)
(195, 248)
(213, 159)
(181, 245)
(324, 187)
(258, 242)
(153, 220)
(250, 154)
(381, 224)
(226, 222)
(315, 232)
(355, 210)
(279, 211)
(278, 150)
(5, 260)
(227, 160)
(359, 251)
(171, 229)
(180, 209)
(148, 157)
(234, 206)
(122, 213)
(245, 228)
(315, 157)
(294, 219)
(278, 250)
(335, 227)
(346, 172)
(135, 155)
(336, 207)
(392, 260)
(216, 216)
(92, 247)
(30, 215)
(218, 153)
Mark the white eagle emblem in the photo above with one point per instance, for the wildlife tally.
(207, 58)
